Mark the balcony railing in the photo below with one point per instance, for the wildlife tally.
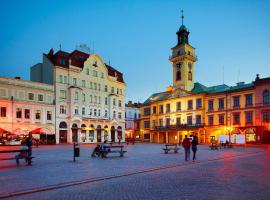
(179, 127)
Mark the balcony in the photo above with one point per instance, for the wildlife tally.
(179, 127)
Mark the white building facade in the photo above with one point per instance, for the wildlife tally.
(90, 96)
(25, 107)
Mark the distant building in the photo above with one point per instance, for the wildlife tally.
(132, 120)
(27, 106)
(90, 96)
(240, 114)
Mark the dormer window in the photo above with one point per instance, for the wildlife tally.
(95, 64)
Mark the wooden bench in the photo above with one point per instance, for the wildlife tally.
(113, 149)
(214, 146)
(23, 154)
(171, 147)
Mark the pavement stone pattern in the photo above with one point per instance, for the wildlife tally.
(243, 177)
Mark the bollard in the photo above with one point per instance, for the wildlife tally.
(76, 151)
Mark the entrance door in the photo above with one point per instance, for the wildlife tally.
(63, 136)
(112, 134)
(98, 133)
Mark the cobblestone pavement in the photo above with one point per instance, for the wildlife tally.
(238, 173)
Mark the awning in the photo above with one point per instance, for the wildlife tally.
(36, 131)
(3, 131)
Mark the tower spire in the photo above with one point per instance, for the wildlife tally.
(182, 17)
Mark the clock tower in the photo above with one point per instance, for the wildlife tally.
(183, 59)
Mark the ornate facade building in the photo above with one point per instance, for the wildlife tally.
(90, 96)
(25, 107)
(238, 113)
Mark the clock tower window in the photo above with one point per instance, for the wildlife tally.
(178, 76)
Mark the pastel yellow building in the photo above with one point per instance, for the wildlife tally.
(219, 112)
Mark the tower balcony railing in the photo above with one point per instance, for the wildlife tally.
(179, 127)
(191, 56)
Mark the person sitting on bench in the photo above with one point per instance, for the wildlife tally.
(105, 148)
(96, 151)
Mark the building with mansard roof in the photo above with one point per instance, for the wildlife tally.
(90, 96)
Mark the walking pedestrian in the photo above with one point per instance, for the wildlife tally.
(194, 144)
(186, 145)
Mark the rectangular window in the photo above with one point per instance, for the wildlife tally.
(236, 118)
(178, 121)
(106, 88)
(146, 124)
(40, 97)
(114, 114)
(266, 116)
(95, 73)
(146, 111)
(106, 100)
(168, 121)
(75, 81)
(3, 111)
(210, 105)
(83, 97)
(153, 123)
(95, 99)
(210, 120)
(236, 101)
(119, 115)
(87, 71)
(190, 104)
(91, 98)
(60, 78)
(249, 117)
(76, 110)
(62, 109)
(63, 94)
(76, 96)
(26, 113)
(95, 86)
(99, 100)
(249, 100)
(112, 90)
(83, 111)
(31, 96)
(65, 79)
(221, 119)
(198, 103)
(49, 115)
(91, 85)
(119, 103)
(117, 91)
(189, 120)
(83, 83)
(154, 109)
(161, 109)
(221, 104)
(38, 114)
(102, 75)
(168, 108)
(18, 113)
(114, 102)
(160, 122)
(178, 106)
(198, 119)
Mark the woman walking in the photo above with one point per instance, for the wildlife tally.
(194, 144)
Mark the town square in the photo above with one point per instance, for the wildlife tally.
(135, 99)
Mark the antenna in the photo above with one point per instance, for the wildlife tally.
(60, 47)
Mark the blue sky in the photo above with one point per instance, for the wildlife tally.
(136, 36)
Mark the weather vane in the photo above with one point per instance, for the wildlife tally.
(182, 17)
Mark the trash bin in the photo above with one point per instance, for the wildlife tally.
(76, 150)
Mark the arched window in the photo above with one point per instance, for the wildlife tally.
(190, 76)
(178, 75)
(63, 125)
(266, 97)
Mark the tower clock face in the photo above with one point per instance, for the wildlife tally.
(178, 65)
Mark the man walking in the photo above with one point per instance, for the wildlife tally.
(186, 145)
(194, 144)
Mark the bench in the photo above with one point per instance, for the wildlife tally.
(171, 147)
(113, 149)
(214, 146)
(23, 154)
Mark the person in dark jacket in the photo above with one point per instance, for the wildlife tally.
(186, 145)
(194, 144)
